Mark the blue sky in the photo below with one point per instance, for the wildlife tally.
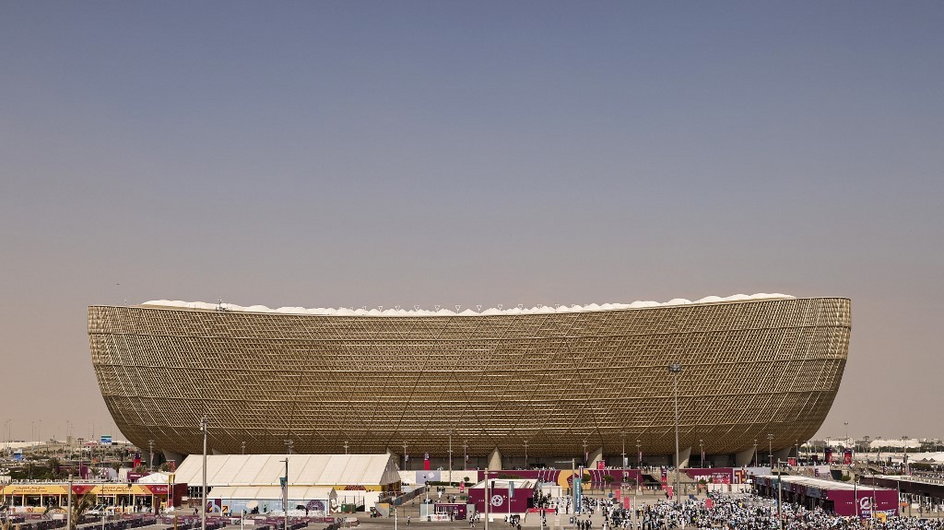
(380, 153)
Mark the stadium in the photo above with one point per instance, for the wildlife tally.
(519, 386)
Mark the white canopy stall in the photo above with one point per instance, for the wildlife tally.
(344, 479)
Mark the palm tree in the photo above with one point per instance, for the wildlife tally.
(608, 480)
(80, 505)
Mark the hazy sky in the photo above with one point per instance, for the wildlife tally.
(382, 153)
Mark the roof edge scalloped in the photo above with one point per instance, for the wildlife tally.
(441, 311)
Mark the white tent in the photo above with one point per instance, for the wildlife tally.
(358, 479)
(158, 477)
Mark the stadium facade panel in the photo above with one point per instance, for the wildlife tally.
(560, 381)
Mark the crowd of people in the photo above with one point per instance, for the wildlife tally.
(748, 512)
(717, 512)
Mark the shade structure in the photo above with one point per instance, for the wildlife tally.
(337, 471)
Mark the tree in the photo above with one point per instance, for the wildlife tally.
(81, 504)
(608, 480)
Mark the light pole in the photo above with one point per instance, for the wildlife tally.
(755, 452)
(450, 459)
(701, 449)
(638, 453)
(675, 369)
(204, 427)
(623, 457)
(69, 510)
(526, 454)
(151, 456)
(404, 455)
(488, 499)
(345, 446)
(465, 454)
(170, 495)
(779, 495)
(770, 450)
(285, 495)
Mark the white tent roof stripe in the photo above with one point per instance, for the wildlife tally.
(272, 493)
(397, 312)
(303, 470)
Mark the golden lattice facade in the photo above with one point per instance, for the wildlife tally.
(556, 380)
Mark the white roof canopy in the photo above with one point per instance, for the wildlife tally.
(442, 311)
(303, 470)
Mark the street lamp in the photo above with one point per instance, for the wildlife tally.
(701, 449)
(770, 450)
(623, 455)
(285, 495)
(151, 456)
(526, 454)
(204, 427)
(638, 453)
(675, 369)
(755, 452)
